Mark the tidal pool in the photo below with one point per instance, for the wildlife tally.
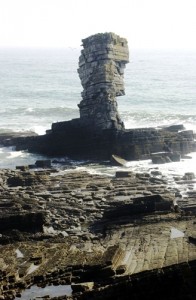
(52, 291)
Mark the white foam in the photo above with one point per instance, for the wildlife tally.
(15, 154)
(29, 109)
(172, 168)
(40, 130)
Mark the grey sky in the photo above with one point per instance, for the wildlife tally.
(62, 23)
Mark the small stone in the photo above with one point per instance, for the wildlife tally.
(82, 287)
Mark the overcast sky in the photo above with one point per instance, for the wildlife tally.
(62, 23)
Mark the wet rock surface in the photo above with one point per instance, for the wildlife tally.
(103, 235)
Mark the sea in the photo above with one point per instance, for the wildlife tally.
(40, 86)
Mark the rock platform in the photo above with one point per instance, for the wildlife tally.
(98, 233)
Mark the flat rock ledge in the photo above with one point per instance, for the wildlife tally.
(132, 234)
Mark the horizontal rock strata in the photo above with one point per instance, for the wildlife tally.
(72, 139)
(101, 69)
(95, 229)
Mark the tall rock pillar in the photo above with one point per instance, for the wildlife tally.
(101, 68)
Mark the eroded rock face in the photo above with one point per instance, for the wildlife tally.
(101, 69)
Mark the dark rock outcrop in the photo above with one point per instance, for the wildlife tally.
(29, 222)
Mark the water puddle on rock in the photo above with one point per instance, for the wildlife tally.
(175, 233)
(36, 292)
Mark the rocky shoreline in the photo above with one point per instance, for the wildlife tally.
(128, 236)
(98, 234)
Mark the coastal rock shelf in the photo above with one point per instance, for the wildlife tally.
(110, 231)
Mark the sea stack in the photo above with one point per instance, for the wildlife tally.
(101, 69)
(99, 132)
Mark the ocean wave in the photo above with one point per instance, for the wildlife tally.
(9, 158)
(37, 111)
(14, 154)
(40, 120)
(40, 130)
(29, 109)
(144, 119)
(169, 169)
(34, 119)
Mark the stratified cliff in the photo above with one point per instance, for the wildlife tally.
(101, 69)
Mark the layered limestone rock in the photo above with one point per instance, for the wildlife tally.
(101, 69)
(96, 231)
